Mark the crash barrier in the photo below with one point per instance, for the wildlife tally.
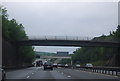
(103, 70)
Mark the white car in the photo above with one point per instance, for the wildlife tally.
(77, 65)
(55, 65)
(66, 65)
(89, 65)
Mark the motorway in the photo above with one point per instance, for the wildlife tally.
(56, 73)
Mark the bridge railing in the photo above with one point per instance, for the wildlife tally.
(59, 38)
(69, 38)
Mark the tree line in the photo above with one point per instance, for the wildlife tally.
(12, 31)
(98, 56)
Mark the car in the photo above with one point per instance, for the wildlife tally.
(55, 65)
(2, 73)
(59, 65)
(89, 65)
(77, 65)
(48, 65)
(66, 65)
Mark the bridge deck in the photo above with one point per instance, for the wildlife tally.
(77, 43)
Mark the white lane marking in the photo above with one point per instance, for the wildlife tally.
(62, 73)
(68, 76)
(28, 76)
(58, 71)
(32, 73)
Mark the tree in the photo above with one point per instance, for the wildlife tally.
(97, 55)
(12, 31)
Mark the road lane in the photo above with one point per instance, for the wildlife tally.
(57, 73)
(20, 74)
(35, 73)
(47, 74)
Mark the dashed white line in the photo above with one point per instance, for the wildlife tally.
(32, 73)
(62, 73)
(28, 76)
(68, 76)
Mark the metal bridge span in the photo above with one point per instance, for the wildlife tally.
(67, 41)
(76, 43)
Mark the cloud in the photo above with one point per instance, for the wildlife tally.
(65, 18)
(59, 0)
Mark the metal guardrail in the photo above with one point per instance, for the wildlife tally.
(103, 70)
(59, 38)
(68, 38)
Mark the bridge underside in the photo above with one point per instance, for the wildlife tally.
(76, 43)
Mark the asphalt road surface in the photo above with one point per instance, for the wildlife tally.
(56, 73)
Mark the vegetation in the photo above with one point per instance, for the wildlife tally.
(53, 60)
(99, 56)
(65, 61)
(13, 31)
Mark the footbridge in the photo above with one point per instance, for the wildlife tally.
(67, 41)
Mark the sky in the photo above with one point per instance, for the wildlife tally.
(83, 19)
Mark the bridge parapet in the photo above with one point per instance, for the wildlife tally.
(67, 41)
(59, 38)
(74, 38)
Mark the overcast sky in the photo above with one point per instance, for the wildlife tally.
(84, 19)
